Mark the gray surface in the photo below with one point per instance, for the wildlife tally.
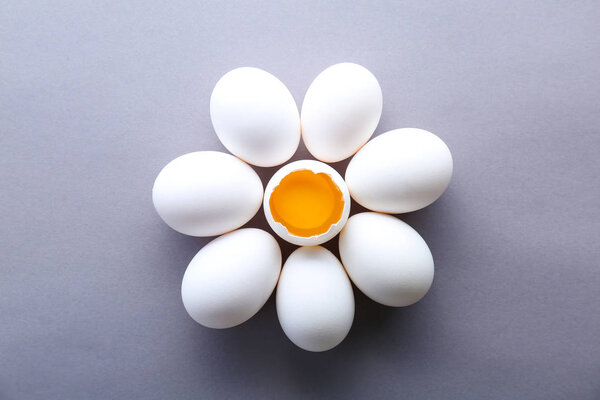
(96, 97)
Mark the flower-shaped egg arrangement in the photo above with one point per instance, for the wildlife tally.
(306, 202)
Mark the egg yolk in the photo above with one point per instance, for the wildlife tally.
(306, 203)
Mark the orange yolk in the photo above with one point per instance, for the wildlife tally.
(306, 203)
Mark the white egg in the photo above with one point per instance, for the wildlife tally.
(306, 202)
(386, 259)
(255, 117)
(340, 111)
(315, 303)
(207, 193)
(231, 278)
(400, 171)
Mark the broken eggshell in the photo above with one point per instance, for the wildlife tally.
(280, 229)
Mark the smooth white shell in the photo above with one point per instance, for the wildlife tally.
(315, 303)
(255, 116)
(400, 171)
(316, 167)
(386, 259)
(340, 111)
(206, 193)
(231, 278)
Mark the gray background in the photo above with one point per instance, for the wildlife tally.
(97, 96)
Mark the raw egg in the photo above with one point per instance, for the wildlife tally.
(386, 259)
(340, 111)
(231, 278)
(400, 171)
(255, 116)
(206, 193)
(315, 302)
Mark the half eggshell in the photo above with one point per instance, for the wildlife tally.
(315, 167)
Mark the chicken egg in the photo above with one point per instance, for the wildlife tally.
(255, 116)
(207, 193)
(386, 259)
(315, 302)
(400, 171)
(231, 278)
(340, 112)
(306, 202)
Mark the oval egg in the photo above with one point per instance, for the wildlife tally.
(306, 202)
(340, 112)
(255, 116)
(386, 259)
(315, 303)
(207, 193)
(400, 171)
(231, 278)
